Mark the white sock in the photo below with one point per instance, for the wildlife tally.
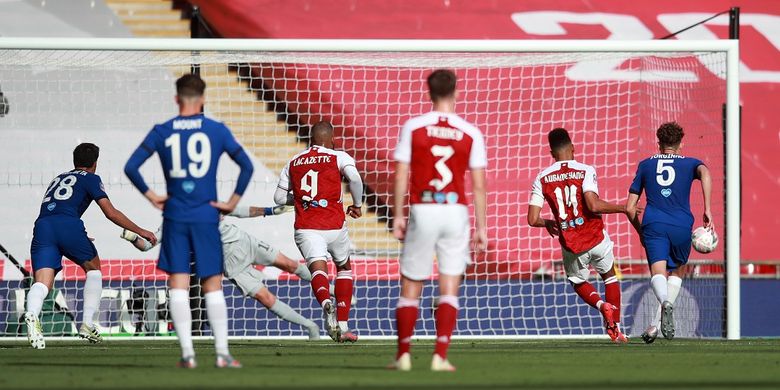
(673, 284)
(658, 283)
(343, 325)
(93, 288)
(285, 312)
(303, 272)
(35, 297)
(216, 309)
(179, 307)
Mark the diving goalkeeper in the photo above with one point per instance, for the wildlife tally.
(241, 252)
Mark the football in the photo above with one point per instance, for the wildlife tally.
(704, 240)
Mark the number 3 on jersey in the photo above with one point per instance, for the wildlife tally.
(567, 199)
(443, 153)
(198, 153)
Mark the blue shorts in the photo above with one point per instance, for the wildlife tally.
(57, 236)
(668, 243)
(183, 243)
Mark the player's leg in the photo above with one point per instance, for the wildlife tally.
(453, 254)
(314, 249)
(44, 278)
(93, 290)
(416, 266)
(289, 265)
(285, 312)
(265, 254)
(339, 248)
(175, 254)
(209, 266)
(603, 261)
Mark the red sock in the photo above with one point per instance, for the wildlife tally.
(343, 294)
(446, 316)
(588, 294)
(612, 293)
(320, 286)
(405, 317)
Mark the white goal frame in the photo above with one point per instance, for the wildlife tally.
(730, 47)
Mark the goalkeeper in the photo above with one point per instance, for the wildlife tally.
(241, 252)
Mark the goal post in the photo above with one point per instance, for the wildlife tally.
(611, 95)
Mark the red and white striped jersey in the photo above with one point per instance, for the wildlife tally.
(439, 148)
(563, 186)
(314, 176)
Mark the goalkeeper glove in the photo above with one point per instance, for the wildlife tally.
(130, 236)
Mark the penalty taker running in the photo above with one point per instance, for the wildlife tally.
(189, 147)
(59, 231)
(571, 190)
(241, 253)
(311, 181)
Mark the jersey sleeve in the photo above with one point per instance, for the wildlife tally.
(283, 187)
(478, 154)
(95, 188)
(537, 197)
(590, 184)
(403, 150)
(344, 160)
(638, 184)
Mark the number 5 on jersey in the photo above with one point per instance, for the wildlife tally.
(198, 153)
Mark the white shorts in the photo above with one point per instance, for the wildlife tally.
(600, 257)
(249, 281)
(443, 229)
(246, 252)
(323, 244)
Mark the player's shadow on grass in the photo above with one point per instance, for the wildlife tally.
(83, 364)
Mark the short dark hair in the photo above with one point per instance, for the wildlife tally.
(558, 138)
(190, 85)
(670, 134)
(85, 155)
(441, 83)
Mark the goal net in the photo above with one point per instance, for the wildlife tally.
(610, 101)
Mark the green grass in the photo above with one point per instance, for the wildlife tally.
(582, 364)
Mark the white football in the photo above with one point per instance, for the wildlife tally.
(704, 240)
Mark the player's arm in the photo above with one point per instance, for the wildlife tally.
(239, 156)
(140, 243)
(479, 189)
(283, 195)
(535, 219)
(632, 211)
(598, 206)
(400, 184)
(706, 189)
(121, 220)
(350, 172)
(133, 169)
(257, 211)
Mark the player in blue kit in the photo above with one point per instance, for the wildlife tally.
(59, 231)
(666, 225)
(189, 147)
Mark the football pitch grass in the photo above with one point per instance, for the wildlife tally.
(544, 364)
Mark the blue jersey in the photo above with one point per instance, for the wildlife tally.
(666, 180)
(71, 193)
(189, 148)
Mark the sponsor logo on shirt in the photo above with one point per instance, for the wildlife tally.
(51, 206)
(579, 221)
(427, 196)
(188, 186)
(666, 192)
(452, 197)
(439, 197)
(323, 203)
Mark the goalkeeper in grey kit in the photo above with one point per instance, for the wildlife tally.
(241, 252)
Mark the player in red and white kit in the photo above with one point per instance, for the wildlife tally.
(433, 153)
(312, 182)
(571, 190)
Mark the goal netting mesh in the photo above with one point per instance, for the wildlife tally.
(112, 98)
